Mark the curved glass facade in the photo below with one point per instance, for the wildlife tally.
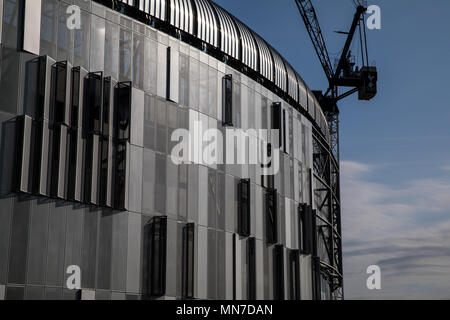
(87, 178)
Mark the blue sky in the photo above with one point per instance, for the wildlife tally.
(395, 149)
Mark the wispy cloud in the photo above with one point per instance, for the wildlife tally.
(405, 229)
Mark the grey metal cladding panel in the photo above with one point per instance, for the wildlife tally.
(42, 188)
(207, 27)
(26, 138)
(155, 8)
(1, 20)
(249, 49)
(310, 103)
(265, 58)
(182, 15)
(280, 70)
(32, 26)
(292, 82)
(61, 178)
(302, 97)
(229, 34)
(47, 64)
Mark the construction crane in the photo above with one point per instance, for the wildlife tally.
(360, 79)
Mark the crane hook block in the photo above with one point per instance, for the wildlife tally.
(368, 89)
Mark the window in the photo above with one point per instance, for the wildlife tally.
(188, 261)
(244, 207)
(168, 74)
(59, 120)
(276, 121)
(306, 227)
(104, 166)
(38, 75)
(107, 104)
(122, 113)
(294, 272)
(74, 166)
(271, 216)
(278, 273)
(92, 169)
(76, 97)
(251, 265)
(317, 279)
(227, 103)
(157, 254)
(104, 143)
(93, 109)
(58, 162)
(60, 112)
(120, 165)
(75, 142)
(268, 180)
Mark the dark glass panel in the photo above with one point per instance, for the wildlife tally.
(244, 207)
(157, 254)
(271, 216)
(227, 104)
(251, 265)
(188, 261)
(294, 272)
(278, 273)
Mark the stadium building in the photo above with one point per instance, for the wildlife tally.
(90, 94)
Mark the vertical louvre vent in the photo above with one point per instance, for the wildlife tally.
(307, 234)
(122, 136)
(92, 123)
(294, 272)
(244, 207)
(61, 102)
(188, 261)
(157, 254)
(227, 103)
(251, 265)
(75, 179)
(168, 62)
(92, 120)
(271, 216)
(278, 272)
(277, 121)
(106, 145)
(72, 143)
(317, 290)
(59, 122)
(284, 132)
